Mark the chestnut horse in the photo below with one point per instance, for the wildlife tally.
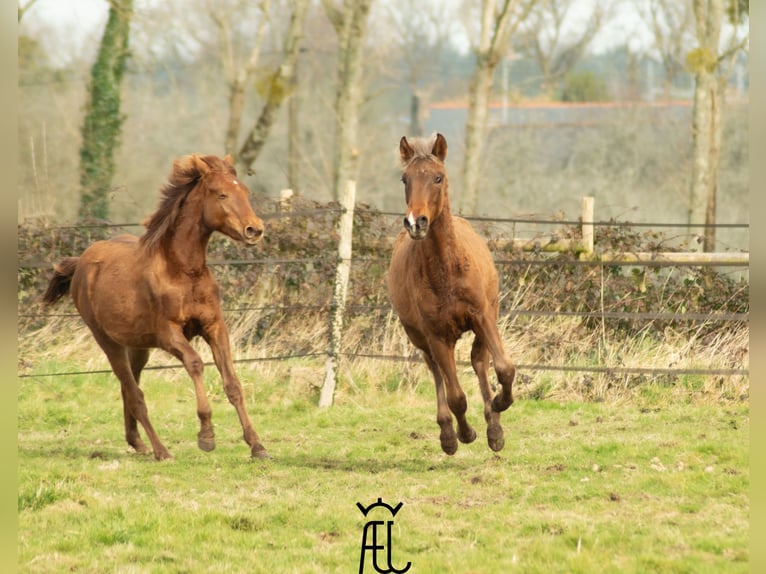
(442, 282)
(157, 292)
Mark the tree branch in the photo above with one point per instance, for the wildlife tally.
(334, 15)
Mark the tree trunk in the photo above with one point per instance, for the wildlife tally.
(103, 122)
(238, 79)
(236, 107)
(279, 89)
(351, 28)
(293, 137)
(497, 23)
(416, 127)
(476, 123)
(706, 122)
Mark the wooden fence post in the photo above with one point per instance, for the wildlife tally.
(285, 198)
(587, 225)
(285, 202)
(345, 227)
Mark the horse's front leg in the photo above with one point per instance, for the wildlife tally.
(138, 359)
(176, 344)
(442, 358)
(217, 336)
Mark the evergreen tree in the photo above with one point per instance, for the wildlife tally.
(103, 120)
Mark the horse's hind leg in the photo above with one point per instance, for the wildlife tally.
(133, 397)
(485, 327)
(480, 363)
(138, 359)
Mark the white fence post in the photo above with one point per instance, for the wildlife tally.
(345, 228)
(587, 225)
(285, 197)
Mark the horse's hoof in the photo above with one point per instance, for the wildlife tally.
(495, 437)
(449, 443)
(258, 451)
(449, 449)
(162, 454)
(139, 447)
(499, 404)
(471, 436)
(206, 444)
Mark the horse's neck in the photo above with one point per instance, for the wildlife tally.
(187, 246)
(443, 252)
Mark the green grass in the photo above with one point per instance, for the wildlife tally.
(641, 486)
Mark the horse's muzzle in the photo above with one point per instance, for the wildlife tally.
(252, 234)
(416, 227)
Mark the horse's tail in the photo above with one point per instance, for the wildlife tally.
(61, 280)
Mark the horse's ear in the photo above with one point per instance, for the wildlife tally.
(200, 164)
(229, 161)
(440, 147)
(405, 150)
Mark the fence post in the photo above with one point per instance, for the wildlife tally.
(285, 197)
(345, 227)
(587, 226)
(285, 202)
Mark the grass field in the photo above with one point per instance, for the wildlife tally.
(656, 483)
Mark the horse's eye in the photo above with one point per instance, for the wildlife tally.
(222, 196)
(404, 179)
(438, 179)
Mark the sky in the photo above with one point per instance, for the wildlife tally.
(68, 26)
(72, 27)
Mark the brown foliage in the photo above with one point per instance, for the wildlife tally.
(295, 266)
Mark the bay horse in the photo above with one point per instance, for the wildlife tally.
(156, 291)
(442, 282)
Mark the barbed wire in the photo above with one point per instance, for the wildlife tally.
(551, 221)
(575, 368)
(637, 316)
(549, 259)
(649, 371)
(543, 220)
(165, 367)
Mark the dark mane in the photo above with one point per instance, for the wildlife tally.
(184, 177)
(422, 148)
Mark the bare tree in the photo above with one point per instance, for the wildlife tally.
(25, 8)
(671, 23)
(279, 86)
(543, 37)
(498, 20)
(420, 31)
(710, 70)
(350, 23)
(238, 70)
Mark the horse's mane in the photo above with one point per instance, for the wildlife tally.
(184, 177)
(422, 148)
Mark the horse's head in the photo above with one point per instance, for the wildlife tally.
(425, 182)
(226, 203)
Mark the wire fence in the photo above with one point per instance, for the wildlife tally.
(329, 305)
